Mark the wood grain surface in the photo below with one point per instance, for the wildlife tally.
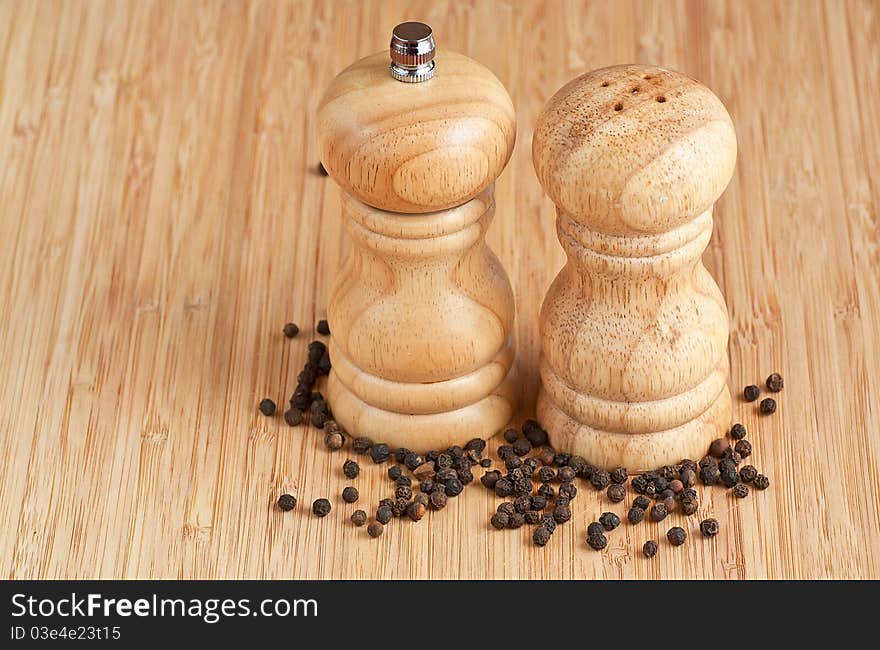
(161, 219)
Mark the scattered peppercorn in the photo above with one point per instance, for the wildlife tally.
(403, 492)
(547, 491)
(516, 520)
(293, 417)
(361, 445)
(774, 382)
(323, 327)
(267, 407)
(568, 490)
(291, 330)
(541, 536)
(453, 487)
(718, 447)
(380, 453)
(534, 433)
(561, 513)
(761, 482)
(546, 455)
(415, 510)
(616, 493)
(740, 490)
(649, 549)
(751, 393)
(597, 542)
(676, 536)
(384, 514)
(375, 529)
(659, 512)
(709, 527)
(532, 516)
(539, 502)
(500, 520)
(709, 475)
(641, 502)
(359, 518)
(688, 477)
(600, 479)
(689, 505)
(566, 474)
(321, 507)
(619, 475)
(635, 515)
(438, 498)
(748, 473)
(676, 485)
(609, 521)
(287, 502)
(768, 406)
(350, 494)
(334, 440)
(560, 458)
(744, 448)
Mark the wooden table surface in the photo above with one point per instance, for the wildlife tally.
(161, 219)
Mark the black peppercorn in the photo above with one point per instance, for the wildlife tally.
(380, 453)
(321, 507)
(545, 455)
(398, 508)
(737, 431)
(334, 440)
(566, 474)
(359, 518)
(718, 447)
(403, 492)
(568, 490)
(748, 473)
(477, 445)
(453, 487)
(532, 517)
(384, 514)
(676, 486)
(774, 382)
(548, 522)
(676, 536)
(561, 459)
(659, 512)
(744, 448)
(291, 330)
(375, 529)
(500, 520)
(635, 515)
(709, 475)
(522, 486)
(486, 462)
(361, 445)
(512, 462)
(522, 503)
(546, 474)
(709, 527)
(415, 510)
(761, 482)
(730, 478)
(689, 505)
(561, 513)
(267, 407)
(600, 479)
(538, 502)
(597, 542)
(510, 435)
(751, 393)
(740, 490)
(490, 479)
(619, 475)
(616, 493)
(642, 502)
(516, 520)
(438, 498)
(609, 520)
(688, 477)
(412, 460)
(547, 491)
(323, 327)
(287, 502)
(768, 406)
(534, 433)
(541, 536)
(503, 487)
(350, 494)
(687, 463)
(639, 484)
(649, 549)
(351, 469)
(293, 417)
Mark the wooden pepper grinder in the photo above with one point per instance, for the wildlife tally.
(422, 311)
(634, 329)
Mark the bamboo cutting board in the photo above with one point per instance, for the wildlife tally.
(161, 219)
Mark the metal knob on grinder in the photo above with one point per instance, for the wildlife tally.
(412, 52)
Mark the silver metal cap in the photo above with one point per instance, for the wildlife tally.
(412, 52)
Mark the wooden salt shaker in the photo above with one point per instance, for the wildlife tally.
(422, 311)
(634, 329)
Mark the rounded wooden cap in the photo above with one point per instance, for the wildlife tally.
(634, 149)
(416, 147)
